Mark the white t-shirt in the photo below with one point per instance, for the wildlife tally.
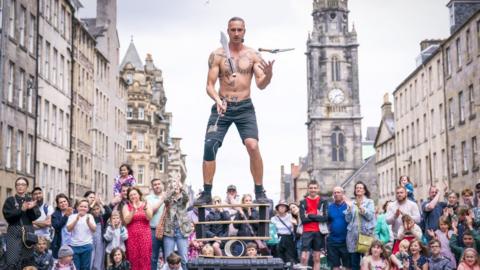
(44, 231)
(153, 199)
(81, 233)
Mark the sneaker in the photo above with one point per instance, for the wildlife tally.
(203, 199)
(261, 198)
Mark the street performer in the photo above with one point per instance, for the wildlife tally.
(234, 65)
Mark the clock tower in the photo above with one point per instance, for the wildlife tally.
(334, 119)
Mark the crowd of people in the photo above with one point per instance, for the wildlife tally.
(157, 231)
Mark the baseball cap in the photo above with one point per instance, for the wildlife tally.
(231, 187)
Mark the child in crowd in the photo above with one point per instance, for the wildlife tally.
(173, 262)
(443, 234)
(377, 257)
(417, 259)
(402, 254)
(119, 262)
(208, 251)
(65, 259)
(409, 230)
(252, 249)
(43, 259)
(470, 238)
(116, 234)
(194, 246)
(437, 261)
(407, 183)
(470, 260)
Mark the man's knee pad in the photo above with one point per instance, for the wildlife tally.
(210, 149)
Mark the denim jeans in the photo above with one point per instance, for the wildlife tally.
(156, 248)
(82, 255)
(182, 246)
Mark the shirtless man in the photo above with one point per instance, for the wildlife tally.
(233, 104)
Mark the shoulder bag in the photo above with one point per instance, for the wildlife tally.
(364, 241)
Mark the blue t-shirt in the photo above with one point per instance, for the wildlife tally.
(338, 224)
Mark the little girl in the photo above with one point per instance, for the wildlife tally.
(119, 262)
(417, 259)
(443, 234)
(43, 259)
(65, 259)
(116, 234)
(402, 254)
(377, 258)
(405, 182)
(409, 230)
(469, 260)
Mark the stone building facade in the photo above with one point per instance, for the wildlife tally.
(436, 109)
(148, 124)
(334, 119)
(54, 97)
(461, 53)
(385, 153)
(18, 22)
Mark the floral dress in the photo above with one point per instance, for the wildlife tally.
(420, 262)
(139, 242)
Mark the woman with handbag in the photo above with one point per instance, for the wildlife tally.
(19, 211)
(360, 216)
(285, 248)
(178, 224)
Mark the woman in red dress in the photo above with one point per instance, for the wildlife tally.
(139, 244)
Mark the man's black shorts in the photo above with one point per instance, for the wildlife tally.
(313, 240)
(241, 113)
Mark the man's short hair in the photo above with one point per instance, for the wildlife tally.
(401, 187)
(155, 179)
(37, 188)
(236, 19)
(312, 182)
(435, 241)
(173, 258)
(251, 245)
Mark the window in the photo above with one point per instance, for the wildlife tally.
(47, 60)
(468, 46)
(434, 169)
(46, 115)
(454, 160)
(48, 14)
(432, 122)
(471, 101)
(464, 157)
(418, 131)
(444, 162)
(129, 112)
(60, 127)
(23, 24)
(161, 164)
(31, 34)
(141, 174)
(1, 20)
(448, 61)
(11, 79)
(19, 150)
(11, 19)
(335, 69)
(478, 36)
(141, 113)
(461, 107)
(338, 145)
(62, 21)
(451, 113)
(54, 124)
(458, 53)
(430, 79)
(474, 153)
(28, 156)
(55, 14)
(140, 141)
(8, 148)
(425, 127)
(62, 71)
(21, 88)
(54, 67)
(30, 94)
(413, 134)
(67, 129)
(439, 74)
(40, 56)
(129, 142)
(440, 116)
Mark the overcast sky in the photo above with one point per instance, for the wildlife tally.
(180, 34)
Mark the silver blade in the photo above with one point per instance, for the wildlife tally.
(224, 42)
(286, 50)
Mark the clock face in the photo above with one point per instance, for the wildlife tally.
(336, 96)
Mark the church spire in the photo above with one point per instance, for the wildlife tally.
(132, 57)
